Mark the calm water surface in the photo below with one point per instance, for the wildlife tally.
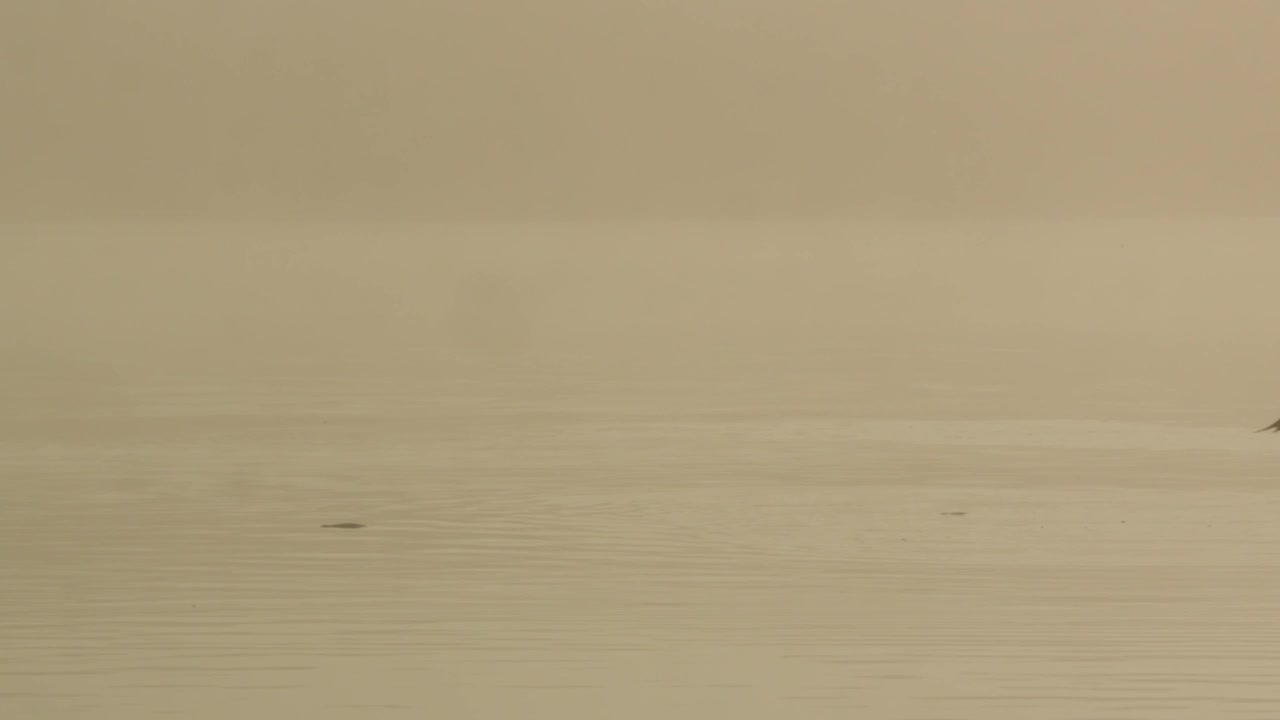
(536, 556)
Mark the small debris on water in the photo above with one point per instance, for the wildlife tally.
(348, 526)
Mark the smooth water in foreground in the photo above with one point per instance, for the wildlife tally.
(559, 559)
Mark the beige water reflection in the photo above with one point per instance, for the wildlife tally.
(589, 562)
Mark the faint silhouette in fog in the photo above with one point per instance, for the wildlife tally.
(1273, 427)
(490, 317)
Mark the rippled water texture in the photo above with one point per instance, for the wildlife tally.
(578, 560)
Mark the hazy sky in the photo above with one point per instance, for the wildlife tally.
(614, 109)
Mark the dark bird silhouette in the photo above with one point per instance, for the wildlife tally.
(1273, 427)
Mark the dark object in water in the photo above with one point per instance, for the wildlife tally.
(956, 514)
(1273, 427)
(349, 526)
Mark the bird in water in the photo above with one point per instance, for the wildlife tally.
(1273, 427)
(348, 526)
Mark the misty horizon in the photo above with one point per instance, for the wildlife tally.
(1045, 312)
(639, 359)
